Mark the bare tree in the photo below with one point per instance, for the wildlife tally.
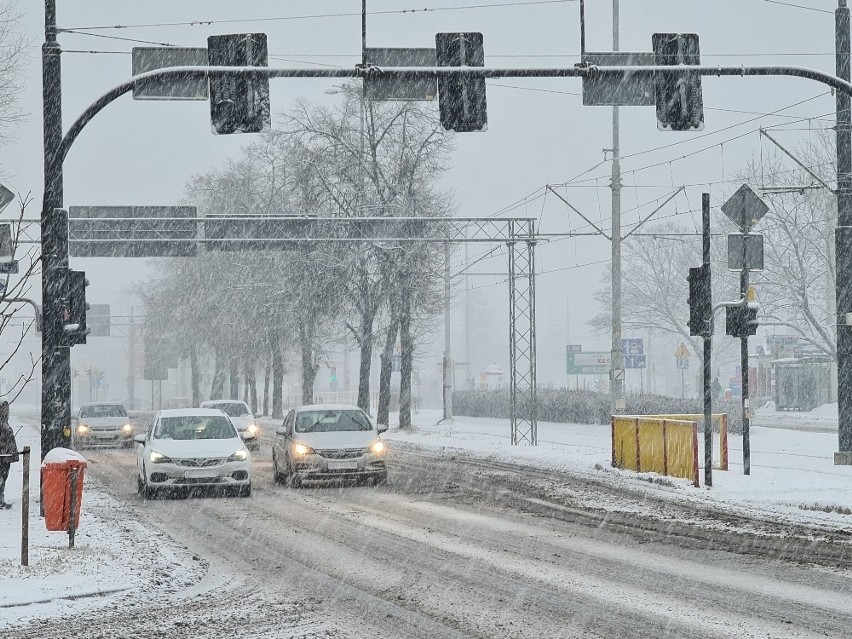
(16, 312)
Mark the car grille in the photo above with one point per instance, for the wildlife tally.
(342, 453)
(199, 462)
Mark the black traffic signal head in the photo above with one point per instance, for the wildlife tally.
(678, 93)
(72, 327)
(239, 103)
(741, 321)
(700, 301)
(461, 98)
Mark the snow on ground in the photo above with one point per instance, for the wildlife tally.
(793, 476)
(821, 419)
(114, 556)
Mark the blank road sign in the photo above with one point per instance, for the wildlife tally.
(152, 58)
(622, 88)
(753, 252)
(384, 88)
(132, 231)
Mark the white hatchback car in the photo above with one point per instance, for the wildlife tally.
(192, 448)
(241, 416)
(328, 442)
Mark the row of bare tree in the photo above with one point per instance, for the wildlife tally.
(250, 311)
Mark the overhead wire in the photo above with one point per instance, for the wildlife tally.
(347, 14)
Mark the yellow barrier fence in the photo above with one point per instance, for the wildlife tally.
(720, 420)
(656, 444)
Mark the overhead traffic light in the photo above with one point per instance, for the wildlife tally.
(741, 321)
(461, 98)
(700, 301)
(239, 103)
(678, 93)
(73, 329)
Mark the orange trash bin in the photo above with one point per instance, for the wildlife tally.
(56, 487)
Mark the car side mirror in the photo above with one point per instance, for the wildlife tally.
(280, 430)
(381, 427)
(139, 439)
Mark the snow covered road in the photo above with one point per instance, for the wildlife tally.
(456, 549)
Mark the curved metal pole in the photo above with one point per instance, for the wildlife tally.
(415, 73)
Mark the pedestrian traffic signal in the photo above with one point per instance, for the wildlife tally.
(461, 98)
(73, 330)
(678, 93)
(239, 102)
(700, 301)
(741, 321)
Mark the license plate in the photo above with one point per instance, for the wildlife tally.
(200, 473)
(103, 435)
(342, 465)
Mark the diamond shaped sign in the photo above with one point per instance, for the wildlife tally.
(745, 208)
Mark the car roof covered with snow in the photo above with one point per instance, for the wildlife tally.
(320, 407)
(210, 402)
(190, 412)
(102, 404)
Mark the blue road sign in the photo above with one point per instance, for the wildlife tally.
(633, 346)
(682, 362)
(635, 361)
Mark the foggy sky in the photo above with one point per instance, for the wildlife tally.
(143, 152)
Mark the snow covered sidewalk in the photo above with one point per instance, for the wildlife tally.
(114, 556)
(793, 475)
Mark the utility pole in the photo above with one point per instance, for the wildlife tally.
(617, 366)
(448, 358)
(708, 348)
(744, 364)
(843, 238)
(56, 359)
(131, 362)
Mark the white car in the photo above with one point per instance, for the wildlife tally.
(241, 416)
(328, 442)
(102, 424)
(192, 448)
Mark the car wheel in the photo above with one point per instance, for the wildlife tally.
(140, 487)
(294, 480)
(280, 478)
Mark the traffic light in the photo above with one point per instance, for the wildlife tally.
(73, 328)
(741, 321)
(700, 301)
(239, 103)
(461, 98)
(678, 93)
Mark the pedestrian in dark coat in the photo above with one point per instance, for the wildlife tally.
(8, 450)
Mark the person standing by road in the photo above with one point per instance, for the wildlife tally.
(8, 451)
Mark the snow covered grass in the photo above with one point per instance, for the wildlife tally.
(114, 556)
(793, 476)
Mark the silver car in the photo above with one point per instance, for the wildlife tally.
(192, 449)
(102, 424)
(328, 442)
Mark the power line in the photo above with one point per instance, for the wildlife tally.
(195, 23)
(797, 6)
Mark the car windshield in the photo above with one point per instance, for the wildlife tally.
(328, 421)
(195, 427)
(103, 410)
(231, 409)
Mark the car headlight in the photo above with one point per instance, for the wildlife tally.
(378, 448)
(240, 455)
(300, 450)
(127, 428)
(158, 458)
(82, 429)
(252, 429)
